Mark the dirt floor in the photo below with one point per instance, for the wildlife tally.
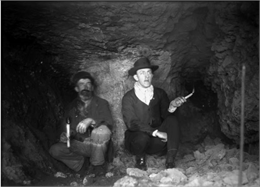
(213, 164)
(66, 177)
(208, 163)
(73, 180)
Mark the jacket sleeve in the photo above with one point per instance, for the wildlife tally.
(130, 118)
(105, 116)
(165, 102)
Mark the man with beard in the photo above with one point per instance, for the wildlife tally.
(151, 128)
(90, 129)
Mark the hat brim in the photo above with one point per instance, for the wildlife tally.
(133, 70)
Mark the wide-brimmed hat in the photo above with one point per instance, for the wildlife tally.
(82, 75)
(140, 64)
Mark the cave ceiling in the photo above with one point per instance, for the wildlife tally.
(89, 31)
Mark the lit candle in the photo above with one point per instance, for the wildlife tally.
(68, 135)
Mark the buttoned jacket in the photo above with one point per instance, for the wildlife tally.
(139, 116)
(98, 110)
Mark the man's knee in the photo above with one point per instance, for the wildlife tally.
(141, 138)
(56, 150)
(101, 134)
(172, 124)
(172, 120)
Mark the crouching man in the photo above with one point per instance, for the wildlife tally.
(90, 129)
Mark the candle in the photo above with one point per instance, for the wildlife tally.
(68, 135)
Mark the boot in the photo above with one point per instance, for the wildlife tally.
(98, 170)
(140, 162)
(171, 154)
(84, 168)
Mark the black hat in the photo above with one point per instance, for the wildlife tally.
(140, 64)
(81, 75)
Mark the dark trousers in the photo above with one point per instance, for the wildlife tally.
(141, 143)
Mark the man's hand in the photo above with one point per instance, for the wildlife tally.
(178, 101)
(63, 137)
(84, 124)
(162, 135)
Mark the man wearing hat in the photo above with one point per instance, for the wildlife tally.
(90, 122)
(151, 128)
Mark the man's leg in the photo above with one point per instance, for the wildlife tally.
(99, 141)
(137, 143)
(171, 127)
(156, 146)
(60, 152)
(97, 145)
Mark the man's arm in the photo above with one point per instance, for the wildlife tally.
(164, 105)
(104, 116)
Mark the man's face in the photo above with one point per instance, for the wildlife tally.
(85, 89)
(144, 77)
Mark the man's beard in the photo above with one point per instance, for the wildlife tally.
(85, 94)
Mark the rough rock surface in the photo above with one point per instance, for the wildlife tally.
(211, 167)
(237, 46)
(185, 39)
(201, 44)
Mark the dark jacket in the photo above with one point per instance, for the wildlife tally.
(140, 117)
(98, 110)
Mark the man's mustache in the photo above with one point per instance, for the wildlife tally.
(85, 92)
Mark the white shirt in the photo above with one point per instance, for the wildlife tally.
(143, 94)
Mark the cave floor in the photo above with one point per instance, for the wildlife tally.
(74, 180)
(205, 165)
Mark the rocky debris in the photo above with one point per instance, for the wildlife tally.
(217, 165)
(136, 172)
(109, 174)
(60, 174)
(74, 184)
(126, 181)
(88, 180)
(231, 178)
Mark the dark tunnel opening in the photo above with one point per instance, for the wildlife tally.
(202, 107)
(204, 97)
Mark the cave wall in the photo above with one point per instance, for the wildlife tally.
(212, 39)
(238, 44)
(190, 41)
(182, 38)
(32, 107)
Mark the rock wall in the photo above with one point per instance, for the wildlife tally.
(32, 107)
(190, 41)
(236, 45)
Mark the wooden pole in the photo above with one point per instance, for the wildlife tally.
(240, 178)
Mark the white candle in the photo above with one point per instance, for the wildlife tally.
(68, 135)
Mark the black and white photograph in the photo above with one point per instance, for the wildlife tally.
(130, 93)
